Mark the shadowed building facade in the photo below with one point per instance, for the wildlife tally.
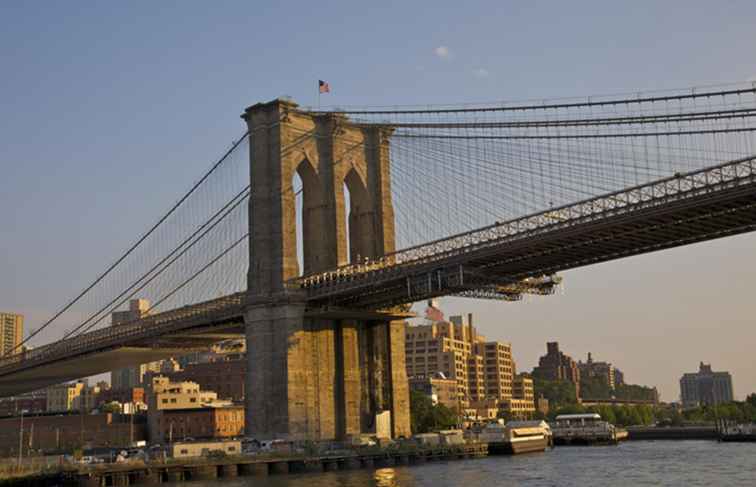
(320, 373)
(557, 366)
(705, 387)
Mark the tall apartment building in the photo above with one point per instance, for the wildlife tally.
(483, 370)
(11, 332)
(499, 368)
(705, 387)
(131, 377)
(601, 370)
(522, 402)
(556, 366)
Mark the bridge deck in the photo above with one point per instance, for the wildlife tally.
(691, 207)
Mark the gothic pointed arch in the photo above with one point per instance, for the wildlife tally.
(360, 218)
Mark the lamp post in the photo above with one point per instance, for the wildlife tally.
(21, 440)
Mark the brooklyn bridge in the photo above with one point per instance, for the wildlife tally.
(314, 234)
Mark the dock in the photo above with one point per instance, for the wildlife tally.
(123, 475)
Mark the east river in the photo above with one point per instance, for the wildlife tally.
(689, 463)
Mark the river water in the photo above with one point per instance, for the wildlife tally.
(689, 463)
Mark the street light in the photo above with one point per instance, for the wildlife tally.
(21, 439)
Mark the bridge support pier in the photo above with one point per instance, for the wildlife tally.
(323, 379)
(318, 374)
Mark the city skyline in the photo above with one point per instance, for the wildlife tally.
(147, 113)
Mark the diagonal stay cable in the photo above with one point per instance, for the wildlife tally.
(219, 216)
(134, 246)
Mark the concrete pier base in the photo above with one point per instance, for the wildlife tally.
(230, 470)
(89, 481)
(147, 477)
(209, 472)
(174, 475)
(279, 467)
(351, 464)
(253, 469)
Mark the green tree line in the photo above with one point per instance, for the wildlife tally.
(426, 417)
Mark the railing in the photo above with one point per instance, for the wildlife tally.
(119, 334)
(682, 185)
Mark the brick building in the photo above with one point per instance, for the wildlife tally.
(124, 396)
(30, 403)
(198, 423)
(556, 366)
(65, 397)
(224, 377)
(603, 371)
(53, 433)
(440, 389)
(164, 397)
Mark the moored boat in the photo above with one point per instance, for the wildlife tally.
(516, 437)
(738, 433)
(585, 429)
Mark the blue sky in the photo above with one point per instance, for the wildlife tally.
(110, 110)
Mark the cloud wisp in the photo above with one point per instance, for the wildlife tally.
(481, 73)
(442, 52)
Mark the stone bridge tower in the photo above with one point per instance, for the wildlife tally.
(318, 374)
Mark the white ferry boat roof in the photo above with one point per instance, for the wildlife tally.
(578, 416)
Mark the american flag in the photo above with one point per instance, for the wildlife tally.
(323, 87)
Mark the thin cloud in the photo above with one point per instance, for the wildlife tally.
(442, 52)
(481, 73)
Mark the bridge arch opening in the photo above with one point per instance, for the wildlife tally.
(309, 206)
(359, 220)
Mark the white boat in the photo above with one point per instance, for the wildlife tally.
(516, 437)
(738, 432)
(584, 429)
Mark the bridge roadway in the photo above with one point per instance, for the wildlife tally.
(498, 261)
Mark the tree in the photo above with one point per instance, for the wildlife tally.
(559, 393)
(751, 399)
(595, 388)
(426, 417)
(111, 407)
